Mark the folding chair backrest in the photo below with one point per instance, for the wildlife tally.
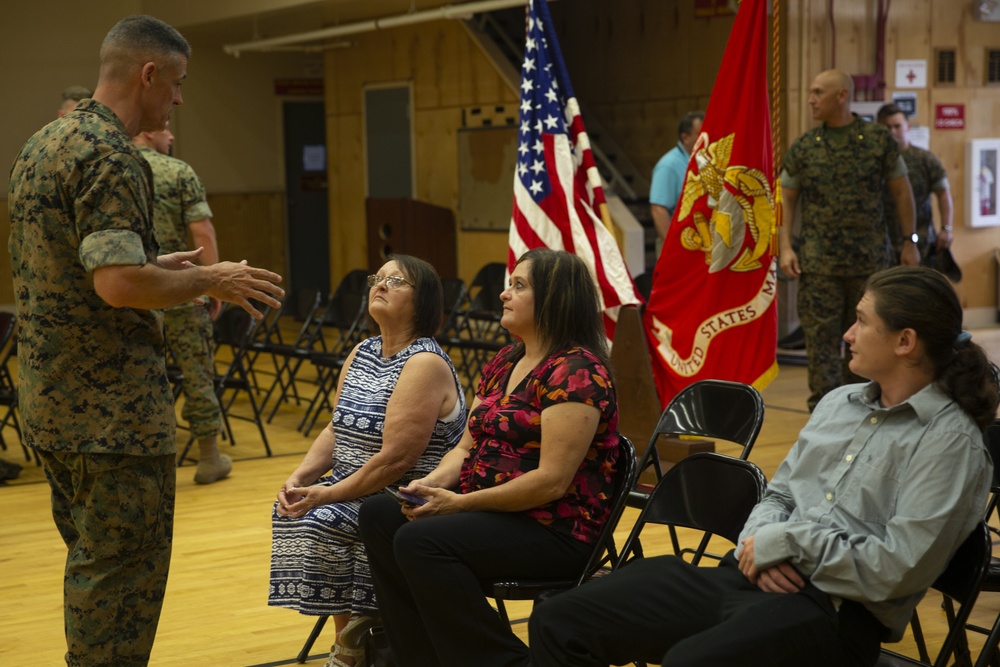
(705, 491)
(454, 294)
(312, 325)
(7, 321)
(624, 479)
(234, 328)
(715, 409)
(485, 288)
(992, 439)
(8, 349)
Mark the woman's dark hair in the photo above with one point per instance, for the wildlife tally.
(567, 307)
(918, 298)
(428, 295)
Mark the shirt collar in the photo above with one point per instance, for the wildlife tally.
(95, 107)
(682, 149)
(925, 403)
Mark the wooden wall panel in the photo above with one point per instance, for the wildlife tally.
(251, 226)
(639, 66)
(436, 149)
(449, 74)
(346, 176)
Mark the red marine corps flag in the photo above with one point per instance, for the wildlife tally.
(558, 198)
(711, 312)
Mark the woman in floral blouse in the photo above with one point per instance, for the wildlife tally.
(524, 493)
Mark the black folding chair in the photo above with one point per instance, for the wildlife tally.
(604, 553)
(348, 311)
(960, 584)
(233, 330)
(473, 329)
(484, 309)
(715, 409)
(8, 387)
(989, 655)
(705, 491)
(289, 357)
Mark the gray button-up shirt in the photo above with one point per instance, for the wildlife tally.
(871, 503)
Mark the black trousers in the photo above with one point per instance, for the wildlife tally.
(665, 611)
(427, 577)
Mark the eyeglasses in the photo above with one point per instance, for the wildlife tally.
(391, 282)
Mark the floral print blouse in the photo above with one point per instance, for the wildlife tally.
(507, 435)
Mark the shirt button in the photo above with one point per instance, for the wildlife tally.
(829, 496)
(849, 458)
(874, 420)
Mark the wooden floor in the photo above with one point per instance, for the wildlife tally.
(216, 609)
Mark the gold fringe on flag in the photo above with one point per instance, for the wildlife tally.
(776, 124)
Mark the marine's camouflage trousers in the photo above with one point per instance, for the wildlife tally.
(115, 513)
(189, 335)
(827, 309)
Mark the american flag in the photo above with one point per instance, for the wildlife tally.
(557, 190)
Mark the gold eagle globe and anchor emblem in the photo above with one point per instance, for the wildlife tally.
(746, 206)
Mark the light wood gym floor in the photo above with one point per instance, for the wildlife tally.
(216, 610)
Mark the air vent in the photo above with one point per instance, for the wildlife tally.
(946, 66)
(992, 65)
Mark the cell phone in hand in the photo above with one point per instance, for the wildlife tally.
(405, 498)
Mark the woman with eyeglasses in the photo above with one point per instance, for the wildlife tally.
(400, 407)
(523, 495)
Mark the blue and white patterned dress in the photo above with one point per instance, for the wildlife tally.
(318, 563)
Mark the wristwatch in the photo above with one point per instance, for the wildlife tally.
(914, 237)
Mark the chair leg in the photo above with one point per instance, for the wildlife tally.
(313, 635)
(989, 654)
(184, 453)
(918, 638)
(502, 610)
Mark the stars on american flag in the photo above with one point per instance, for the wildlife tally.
(542, 110)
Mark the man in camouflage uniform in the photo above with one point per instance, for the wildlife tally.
(179, 208)
(926, 176)
(94, 397)
(840, 170)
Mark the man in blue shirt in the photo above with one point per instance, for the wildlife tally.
(668, 174)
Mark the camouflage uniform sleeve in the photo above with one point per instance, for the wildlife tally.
(115, 195)
(112, 214)
(112, 247)
(193, 195)
(936, 176)
(788, 181)
(900, 169)
(790, 164)
(893, 165)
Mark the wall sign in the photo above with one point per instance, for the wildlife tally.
(907, 103)
(911, 73)
(949, 116)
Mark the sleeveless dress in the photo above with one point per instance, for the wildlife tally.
(318, 563)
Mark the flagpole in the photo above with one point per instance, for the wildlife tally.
(776, 124)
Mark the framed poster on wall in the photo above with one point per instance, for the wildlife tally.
(983, 158)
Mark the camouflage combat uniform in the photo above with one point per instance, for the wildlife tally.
(840, 174)
(926, 176)
(94, 397)
(179, 200)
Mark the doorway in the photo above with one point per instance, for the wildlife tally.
(306, 197)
